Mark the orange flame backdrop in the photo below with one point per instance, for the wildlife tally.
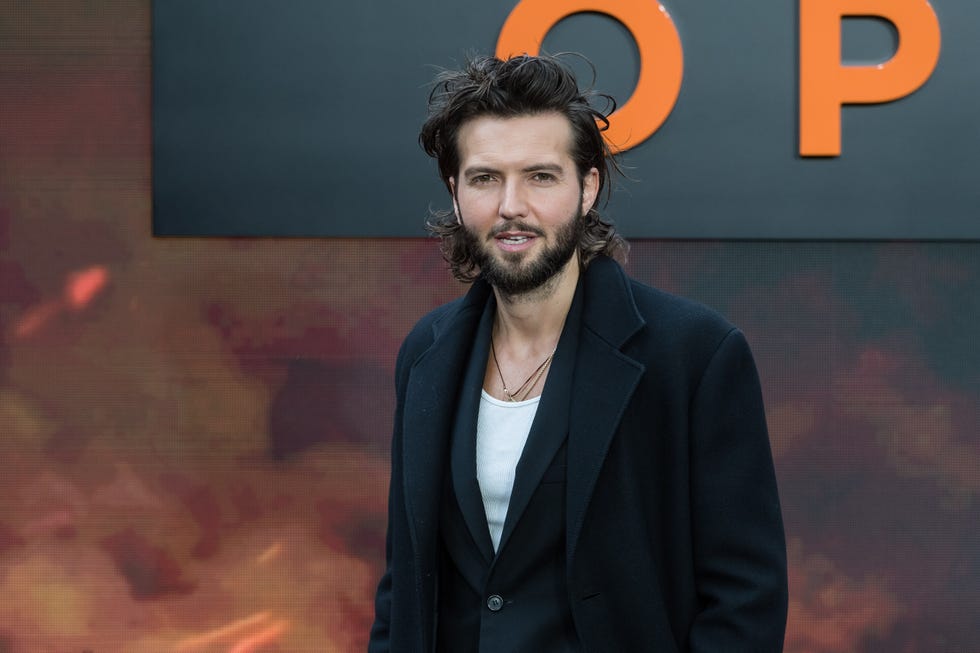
(193, 433)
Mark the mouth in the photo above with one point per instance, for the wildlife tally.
(513, 239)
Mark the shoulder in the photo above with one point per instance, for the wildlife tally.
(460, 313)
(683, 341)
(427, 328)
(686, 340)
(615, 299)
(671, 336)
(676, 318)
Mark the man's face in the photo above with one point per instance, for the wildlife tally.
(519, 197)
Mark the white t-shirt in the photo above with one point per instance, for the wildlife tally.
(502, 428)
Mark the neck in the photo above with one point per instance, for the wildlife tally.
(534, 319)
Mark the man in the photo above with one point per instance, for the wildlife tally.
(579, 462)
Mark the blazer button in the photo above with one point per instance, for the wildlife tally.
(495, 602)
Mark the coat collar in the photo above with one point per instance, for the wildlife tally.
(602, 384)
(609, 309)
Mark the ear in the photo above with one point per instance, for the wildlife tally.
(590, 190)
(452, 190)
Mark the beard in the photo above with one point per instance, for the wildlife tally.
(511, 273)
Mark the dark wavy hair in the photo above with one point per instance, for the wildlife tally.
(519, 86)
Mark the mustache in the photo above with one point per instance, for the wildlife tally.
(514, 226)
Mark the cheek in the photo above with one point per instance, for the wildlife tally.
(561, 211)
(476, 206)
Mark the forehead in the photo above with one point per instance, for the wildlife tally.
(519, 141)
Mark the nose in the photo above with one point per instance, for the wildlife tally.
(513, 203)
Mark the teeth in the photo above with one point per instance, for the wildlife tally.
(515, 240)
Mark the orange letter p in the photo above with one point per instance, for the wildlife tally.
(825, 84)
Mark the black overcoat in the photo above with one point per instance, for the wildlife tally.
(674, 539)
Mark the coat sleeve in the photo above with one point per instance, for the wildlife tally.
(380, 641)
(739, 545)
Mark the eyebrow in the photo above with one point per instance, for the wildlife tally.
(537, 167)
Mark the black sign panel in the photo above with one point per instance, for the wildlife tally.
(301, 118)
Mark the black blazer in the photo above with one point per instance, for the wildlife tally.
(674, 539)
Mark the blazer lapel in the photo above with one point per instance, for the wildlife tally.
(430, 405)
(550, 427)
(603, 384)
(463, 456)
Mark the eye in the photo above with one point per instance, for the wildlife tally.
(544, 177)
(481, 179)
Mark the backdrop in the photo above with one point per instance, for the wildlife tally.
(194, 432)
(284, 119)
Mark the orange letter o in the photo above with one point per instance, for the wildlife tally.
(661, 57)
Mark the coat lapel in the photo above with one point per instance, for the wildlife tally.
(430, 405)
(465, 483)
(604, 381)
(550, 427)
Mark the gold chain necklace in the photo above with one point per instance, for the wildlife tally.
(522, 392)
